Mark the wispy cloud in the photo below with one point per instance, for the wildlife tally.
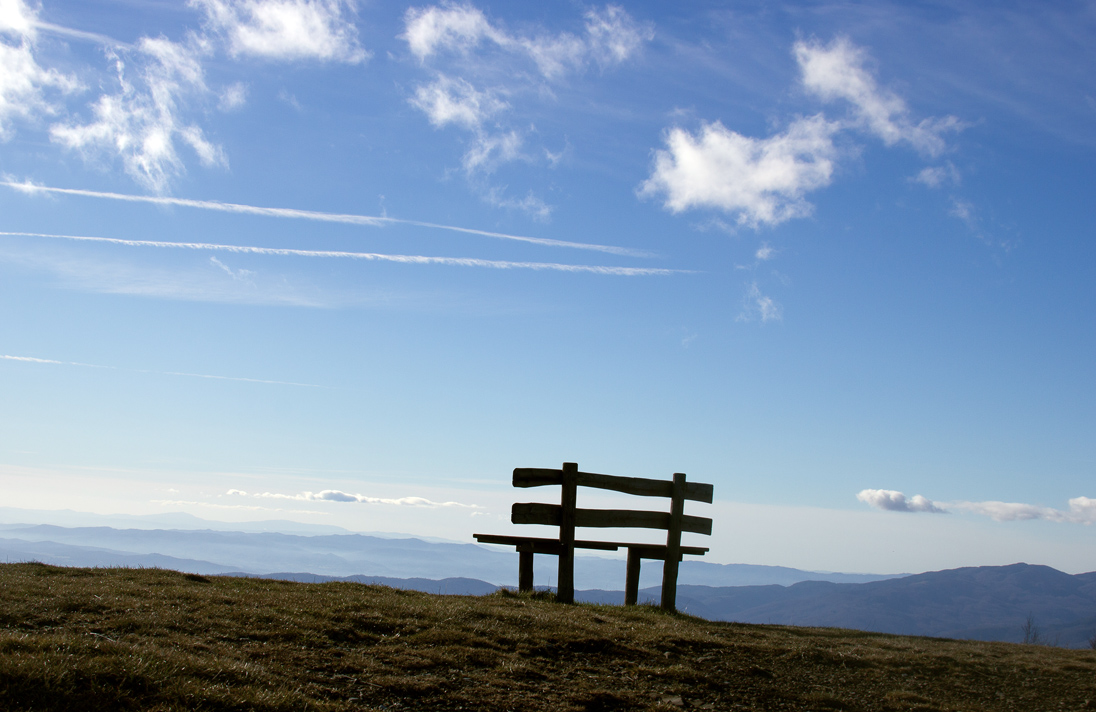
(836, 72)
(937, 176)
(759, 306)
(141, 122)
(160, 84)
(759, 181)
(286, 30)
(339, 496)
(530, 204)
(240, 274)
(964, 210)
(24, 84)
(31, 359)
(488, 151)
(1082, 510)
(473, 49)
(233, 97)
(293, 213)
(369, 256)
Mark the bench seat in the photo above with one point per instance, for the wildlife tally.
(526, 546)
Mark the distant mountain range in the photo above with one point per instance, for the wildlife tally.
(209, 551)
(982, 603)
(976, 603)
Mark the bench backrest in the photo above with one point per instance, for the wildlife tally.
(566, 515)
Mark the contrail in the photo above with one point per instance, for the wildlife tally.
(293, 213)
(31, 359)
(372, 256)
(81, 35)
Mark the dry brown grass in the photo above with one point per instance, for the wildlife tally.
(120, 639)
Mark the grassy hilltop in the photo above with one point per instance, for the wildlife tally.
(150, 639)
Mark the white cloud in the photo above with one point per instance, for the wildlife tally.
(455, 101)
(339, 496)
(765, 252)
(140, 123)
(23, 82)
(448, 27)
(611, 36)
(894, 501)
(763, 181)
(837, 72)
(17, 19)
(286, 30)
(759, 181)
(1082, 510)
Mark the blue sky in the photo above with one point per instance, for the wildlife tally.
(352, 263)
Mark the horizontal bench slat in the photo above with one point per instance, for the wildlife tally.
(643, 487)
(658, 551)
(540, 541)
(550, 514)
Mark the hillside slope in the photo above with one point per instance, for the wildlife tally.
(79, 639)
(979, 603)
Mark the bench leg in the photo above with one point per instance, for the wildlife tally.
(673, 544)
(525, 571)
(631, 578)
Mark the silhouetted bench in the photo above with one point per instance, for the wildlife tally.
(567, 516)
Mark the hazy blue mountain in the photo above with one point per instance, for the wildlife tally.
(341, 555)
(704, 573)
(48, 552)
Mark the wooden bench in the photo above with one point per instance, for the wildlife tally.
(567, 516)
